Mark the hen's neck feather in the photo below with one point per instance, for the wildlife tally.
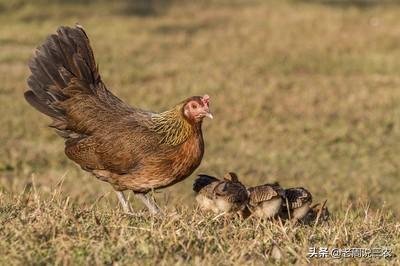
(173, 127)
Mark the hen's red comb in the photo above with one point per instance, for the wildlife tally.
(206, 99)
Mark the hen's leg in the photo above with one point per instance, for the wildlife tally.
(149, 202)
(124, 203)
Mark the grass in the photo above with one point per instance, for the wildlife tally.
(56, 231)
(303, 92)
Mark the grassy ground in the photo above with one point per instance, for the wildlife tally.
(303, 92)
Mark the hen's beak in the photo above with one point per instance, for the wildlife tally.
(209, 115)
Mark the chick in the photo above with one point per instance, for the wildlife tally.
(204, 186)
(265, 201)
(227, 196)
(317, 211)
(296, 204)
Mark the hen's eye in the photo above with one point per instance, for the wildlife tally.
(194, 106)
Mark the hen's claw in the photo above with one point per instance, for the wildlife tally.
(124, 203)
(149, 202)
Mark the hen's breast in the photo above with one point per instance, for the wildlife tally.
(187, 158)
(165, 167)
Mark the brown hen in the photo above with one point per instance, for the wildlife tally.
(129, 148)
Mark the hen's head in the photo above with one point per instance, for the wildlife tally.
(197, 107)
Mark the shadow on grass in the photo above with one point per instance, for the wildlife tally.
(145, 8)
(140, 8)
(353, 3)
(186, 29)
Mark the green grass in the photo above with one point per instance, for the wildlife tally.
(303, 92)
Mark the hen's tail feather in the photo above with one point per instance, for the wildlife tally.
(62, 60)
(38, 103)
(202, 181)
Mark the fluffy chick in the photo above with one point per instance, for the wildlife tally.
(204, 186)
(265, 201)
(296, 204)
(228, 195)
(316, 210)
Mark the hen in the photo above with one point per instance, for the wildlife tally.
(129, 148)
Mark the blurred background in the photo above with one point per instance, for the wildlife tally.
(306, 93)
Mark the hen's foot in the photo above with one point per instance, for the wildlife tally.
(124, 203)
(149, 202)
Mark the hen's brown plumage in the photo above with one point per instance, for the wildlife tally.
(125, 146)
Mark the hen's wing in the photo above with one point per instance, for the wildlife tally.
(65, 84)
